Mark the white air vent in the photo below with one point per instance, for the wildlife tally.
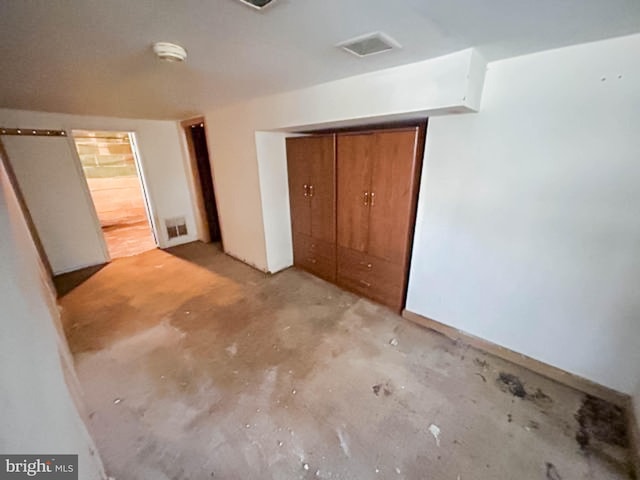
(369, 44)
(176, 227)
(257, 4)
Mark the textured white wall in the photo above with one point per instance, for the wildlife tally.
(274, 192)
(66, 222)
(39, 415)
(165, 167)
(248, 167)
(528, 231)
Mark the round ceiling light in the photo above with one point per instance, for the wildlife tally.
(169, 52)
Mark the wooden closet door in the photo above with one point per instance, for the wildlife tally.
(299, 171)
(323, 187)
(354, 181)
(392, 190)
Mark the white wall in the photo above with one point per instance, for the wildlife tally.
(39, 415)
(65, 221)
(528, 232)
(274, 195)
(249, 169)
(165, 166)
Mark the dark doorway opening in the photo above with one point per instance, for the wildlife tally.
(197, 140)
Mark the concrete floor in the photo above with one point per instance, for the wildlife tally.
(196, 366)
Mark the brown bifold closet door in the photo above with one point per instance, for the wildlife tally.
(377, 187)
(353, 199)
(311, 164)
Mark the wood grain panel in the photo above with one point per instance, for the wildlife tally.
(393, 186)
(322, 158)
(316, 257)
(354, 181)
(299, 173)
(371, 277)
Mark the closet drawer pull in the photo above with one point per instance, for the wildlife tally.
(366, 284)
(313, 260)
(368, 265)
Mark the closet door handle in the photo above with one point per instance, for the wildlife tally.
(311, 190)
(366, 198)
(366, 284)
(373, 199)
(306, 190)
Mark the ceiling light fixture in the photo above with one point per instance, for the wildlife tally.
(169, 52)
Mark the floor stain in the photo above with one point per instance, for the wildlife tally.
(552, 472)
(480, 363)
(508, 382)
(602, 421)
(512, 384)
(385, 388)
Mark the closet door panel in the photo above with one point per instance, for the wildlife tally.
(316, 257)
(354, 181)
(323, 188)
(299, 172)
(392, 191)
(371, 277)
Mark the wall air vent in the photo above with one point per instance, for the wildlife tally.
(369, 44)
(176, 227)
(257, 4)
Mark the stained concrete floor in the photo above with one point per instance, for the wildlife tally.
(196, 366)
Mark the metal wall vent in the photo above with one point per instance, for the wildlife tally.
(369, 44)
(257, 4)
(176, 227)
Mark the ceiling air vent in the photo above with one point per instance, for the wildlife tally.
(257, 4)
(369, 44)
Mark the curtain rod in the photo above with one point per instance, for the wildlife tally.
(32, 132)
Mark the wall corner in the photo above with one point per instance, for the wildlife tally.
(475, 80)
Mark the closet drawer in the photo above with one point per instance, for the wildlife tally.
(371, 277)
(315, 256)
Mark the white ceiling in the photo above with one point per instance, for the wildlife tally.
(94, 56)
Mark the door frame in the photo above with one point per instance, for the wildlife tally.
(139, 173)
(198, 197)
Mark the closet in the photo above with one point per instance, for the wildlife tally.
(353, 199)
(311, 164)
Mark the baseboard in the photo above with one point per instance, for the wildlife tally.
(245, 261)
(574, 381)
(79, 267)
(634, 437)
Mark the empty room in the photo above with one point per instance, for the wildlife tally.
(338, 239)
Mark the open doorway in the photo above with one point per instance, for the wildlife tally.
(197, 141)
(110, 164)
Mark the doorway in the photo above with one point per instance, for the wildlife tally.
(197, 141)
(110, 164)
